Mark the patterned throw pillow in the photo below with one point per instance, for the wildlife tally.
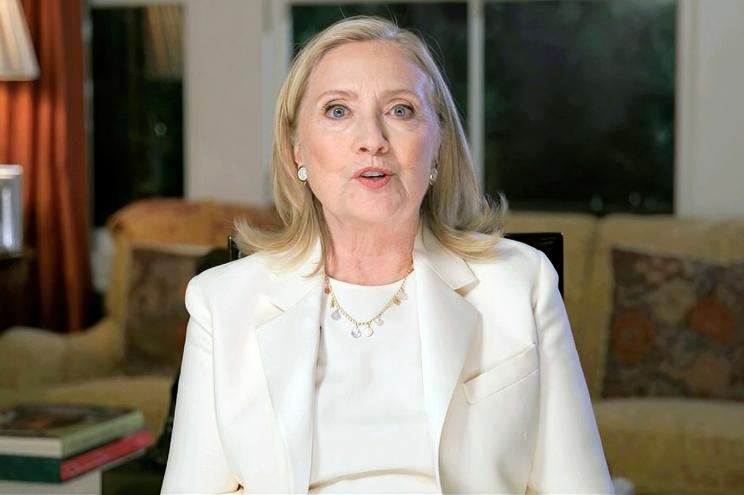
(156, 317)
(677, 328)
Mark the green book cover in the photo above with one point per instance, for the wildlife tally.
(58, 431)
(50, 470)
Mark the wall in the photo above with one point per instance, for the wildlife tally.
(710, 159)
(225, 158)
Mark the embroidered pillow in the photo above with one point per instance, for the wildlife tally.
(677, 328)
(155, 315)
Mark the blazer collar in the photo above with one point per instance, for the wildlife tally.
(450, 268)
(288, 340)
(288, 287)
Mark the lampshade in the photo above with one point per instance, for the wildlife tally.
(17, 58)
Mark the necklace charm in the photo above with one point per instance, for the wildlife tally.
(368, 325)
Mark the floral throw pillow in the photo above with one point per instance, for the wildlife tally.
(677, 328)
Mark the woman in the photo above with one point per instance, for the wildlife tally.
(386, 339)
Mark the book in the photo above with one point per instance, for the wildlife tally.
(60, 431)
(49, 470)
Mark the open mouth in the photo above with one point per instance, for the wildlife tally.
(373, 177)
(373, 173)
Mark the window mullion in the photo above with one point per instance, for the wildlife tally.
(476, 107)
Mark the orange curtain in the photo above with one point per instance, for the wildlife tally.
(42, 129)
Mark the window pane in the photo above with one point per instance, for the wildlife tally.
(137, 66)
(579, 104)
(442, 25)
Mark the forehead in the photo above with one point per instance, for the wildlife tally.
(377, 65)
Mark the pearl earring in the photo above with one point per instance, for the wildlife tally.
(302, 173)
(433, 174)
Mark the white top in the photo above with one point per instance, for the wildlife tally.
(370, 432)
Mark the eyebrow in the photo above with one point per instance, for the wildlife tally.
(351, 95)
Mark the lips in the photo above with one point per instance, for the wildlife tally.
(373, 173)
(373, 177)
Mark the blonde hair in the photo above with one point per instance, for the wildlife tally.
(454, 209)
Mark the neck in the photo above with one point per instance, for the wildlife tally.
(370, 254)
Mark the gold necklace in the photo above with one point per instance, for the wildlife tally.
(356, 332)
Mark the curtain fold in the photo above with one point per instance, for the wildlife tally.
(42, 129)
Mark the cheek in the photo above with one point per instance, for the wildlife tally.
(322, 152)
(421, 150)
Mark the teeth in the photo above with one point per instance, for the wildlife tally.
(373, 174)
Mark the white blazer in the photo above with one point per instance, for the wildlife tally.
(507, 405)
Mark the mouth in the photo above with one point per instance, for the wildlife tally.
(373, 177)
(373, 173)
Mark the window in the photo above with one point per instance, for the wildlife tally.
(577, 97)
(579, 104)
(137, 75)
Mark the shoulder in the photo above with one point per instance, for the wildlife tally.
(514, 257)
(223, 282)
(515, 268)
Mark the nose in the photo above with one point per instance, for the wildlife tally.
(371, 137)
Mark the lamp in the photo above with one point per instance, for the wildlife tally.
(17, 57)
(17, 63)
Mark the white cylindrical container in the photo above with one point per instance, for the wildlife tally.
(11, 218)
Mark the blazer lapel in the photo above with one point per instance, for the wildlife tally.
(447, 322)
(288, 344)
(289, 335)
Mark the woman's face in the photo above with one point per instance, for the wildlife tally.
(367, 134)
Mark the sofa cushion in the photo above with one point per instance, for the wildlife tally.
(677, 328)
(674, 446)
(155, 317)
(719, 241)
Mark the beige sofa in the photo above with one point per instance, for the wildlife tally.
(91, 366)
(665, 446)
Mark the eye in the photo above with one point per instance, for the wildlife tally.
(402, 111)
(336, 111)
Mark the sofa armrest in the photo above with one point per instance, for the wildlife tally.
(31, 357)
(98, 352)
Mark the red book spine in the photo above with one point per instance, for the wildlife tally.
(92, 459)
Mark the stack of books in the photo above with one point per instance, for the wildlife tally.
(55, 443)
